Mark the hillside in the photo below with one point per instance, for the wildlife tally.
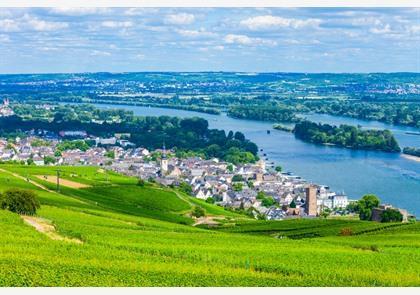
(102, 229)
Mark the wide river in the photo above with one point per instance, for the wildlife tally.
(392, 177)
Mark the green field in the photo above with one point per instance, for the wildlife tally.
(143, 236)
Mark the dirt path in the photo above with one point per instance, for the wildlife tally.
(208, 220)
(183, 198)
(27, 180)
(63, 182)
(44, 226)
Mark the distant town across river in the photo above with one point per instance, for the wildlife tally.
(393, 177)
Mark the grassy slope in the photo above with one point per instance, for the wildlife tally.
(130, 249)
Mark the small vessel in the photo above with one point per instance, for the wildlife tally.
(268, 131)
(412, 133)
(264, 155)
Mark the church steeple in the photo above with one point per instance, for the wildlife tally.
(164, 151)
(164, 161)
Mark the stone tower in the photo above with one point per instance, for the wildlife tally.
(310, 205)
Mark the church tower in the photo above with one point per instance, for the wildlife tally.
(164, 162)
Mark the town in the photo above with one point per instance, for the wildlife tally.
(256, 188)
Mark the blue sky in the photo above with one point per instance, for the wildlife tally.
(214, 39)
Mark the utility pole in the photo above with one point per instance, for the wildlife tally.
(58, 180)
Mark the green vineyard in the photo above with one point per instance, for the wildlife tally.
(113, 232)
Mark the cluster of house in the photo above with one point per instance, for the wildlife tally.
(244, 186)
(236, 186)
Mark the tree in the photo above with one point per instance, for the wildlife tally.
(261, 195)
(49, 160)
(325, 213)
(278, 168)
(198, 212)
(210, 200)
(237, 187)
(365, 206)
(268, 202)
(292, 204)
(19, 201)
(352, 207)
(391, 215)
(237, 178)
(185, 187)
(110, 154)
(230, 168)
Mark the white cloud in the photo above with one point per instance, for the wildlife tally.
(77, 11)
(179, 19)
(140, 11)
(4, 38)
(46, 48)
(245, 40)
(381, 30)
(30, 23)
(240, 39)
(268, 22)
(100, 53)
(139, 56)
(196, 33)
(9, 25)
(415, 29)
(41, 25)
(217, 48)
(115, 24)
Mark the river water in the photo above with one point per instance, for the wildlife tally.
(392, 177)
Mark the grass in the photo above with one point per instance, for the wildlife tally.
(129, 240)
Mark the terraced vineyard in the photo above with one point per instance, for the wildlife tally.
(144, 236)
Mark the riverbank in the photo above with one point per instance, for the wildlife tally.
(410, 157)
(388, 175)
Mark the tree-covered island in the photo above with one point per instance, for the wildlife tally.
(347, 136)
(412, 151)
(279, 113)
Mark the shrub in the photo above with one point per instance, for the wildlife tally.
(141, 182)
(186, 188)
(346, 231)
(391, 215)
(210, 200)
(20, 201)
(198, 212)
